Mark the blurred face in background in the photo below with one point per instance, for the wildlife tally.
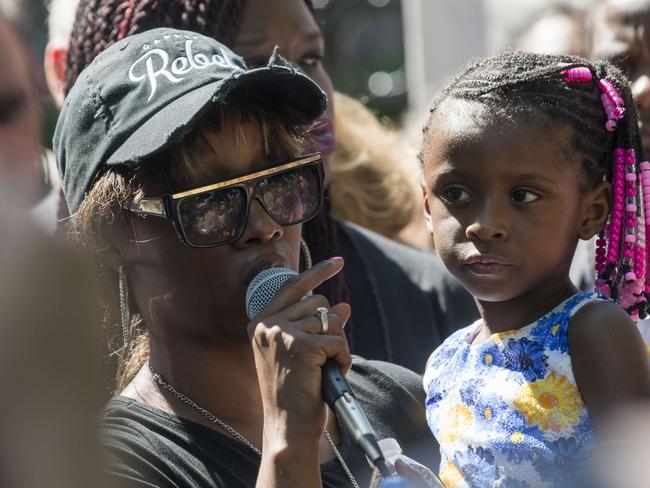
(20, 129)
(621, 34)
(290, 25)
(555, 33)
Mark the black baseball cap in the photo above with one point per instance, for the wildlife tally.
(147, 92)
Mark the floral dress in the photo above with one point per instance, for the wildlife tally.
(508, 413)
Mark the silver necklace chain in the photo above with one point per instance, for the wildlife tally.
(236, 435)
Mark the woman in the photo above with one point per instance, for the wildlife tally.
(399, 295)
(219, 403)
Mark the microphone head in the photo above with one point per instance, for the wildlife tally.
(263, 288)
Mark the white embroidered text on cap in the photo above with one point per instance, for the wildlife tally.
(179, 67)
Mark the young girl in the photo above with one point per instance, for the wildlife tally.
(523, 155)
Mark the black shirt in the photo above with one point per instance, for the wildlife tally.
(404, 302)
(151, 448)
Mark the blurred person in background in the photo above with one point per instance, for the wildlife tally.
(47, 333)
(620, 33)
(374, 176)
(557, 29)
(48, 360)
(20, 119)
(399, 295)
(38, 169)
(59, 24)
(622, 457)
(55, 58)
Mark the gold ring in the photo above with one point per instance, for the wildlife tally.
(321, 313)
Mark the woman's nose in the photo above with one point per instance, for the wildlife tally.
(489, 224)
(260, 226)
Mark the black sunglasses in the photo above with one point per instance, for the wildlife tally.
(291, 193)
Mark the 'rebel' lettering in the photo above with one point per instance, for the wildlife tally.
(155, 63)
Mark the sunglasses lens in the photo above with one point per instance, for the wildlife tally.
(293, 196)
(213, 217)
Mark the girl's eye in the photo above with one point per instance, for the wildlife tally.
(524, 196)
(455, 194)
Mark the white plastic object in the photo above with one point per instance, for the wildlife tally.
(392, 451)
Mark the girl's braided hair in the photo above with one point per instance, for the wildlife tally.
(101, 23)
(595, 100)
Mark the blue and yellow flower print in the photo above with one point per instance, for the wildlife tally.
(508, 412)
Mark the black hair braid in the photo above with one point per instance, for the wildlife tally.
(321, 235)
(513, 84)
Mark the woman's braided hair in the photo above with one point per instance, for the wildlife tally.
(101, 23)
(576, 92)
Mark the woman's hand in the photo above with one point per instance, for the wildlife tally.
(289, 353)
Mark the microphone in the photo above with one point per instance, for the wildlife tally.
(336, 390)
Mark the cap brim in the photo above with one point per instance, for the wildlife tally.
(172, 123)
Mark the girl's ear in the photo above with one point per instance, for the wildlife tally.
(597, 206)
(427, 211)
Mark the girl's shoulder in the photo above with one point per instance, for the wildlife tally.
(551, 330)
(602, 322)
(600, 319)
(609, 357)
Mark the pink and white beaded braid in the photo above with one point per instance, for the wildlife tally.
(644, 168)
(622, 259)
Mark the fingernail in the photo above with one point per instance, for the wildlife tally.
(336, 259)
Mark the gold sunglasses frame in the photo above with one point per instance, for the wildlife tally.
(156, 206)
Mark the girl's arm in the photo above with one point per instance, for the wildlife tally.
(610, 360)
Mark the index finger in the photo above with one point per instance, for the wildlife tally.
(296, 288)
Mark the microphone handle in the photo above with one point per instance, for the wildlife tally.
(338, 395)
(334, 384)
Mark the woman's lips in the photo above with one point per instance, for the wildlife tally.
(322, 135)
(487, 264)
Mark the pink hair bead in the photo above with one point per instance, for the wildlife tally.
(630, 176)
(613, 104)
(645, 165)
(577, 74)
(630, 238)
(630, 276)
